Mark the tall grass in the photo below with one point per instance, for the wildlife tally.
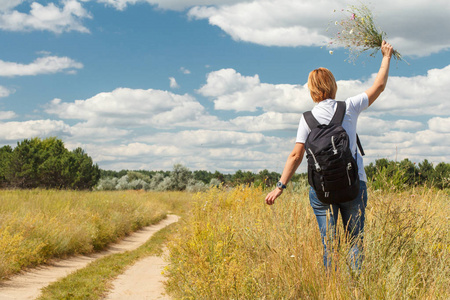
(233, 246)
(36, 225)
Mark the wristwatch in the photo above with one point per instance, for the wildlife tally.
(281, 185)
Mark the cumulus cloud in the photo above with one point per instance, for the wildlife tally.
(173, 83)
(42, 65)
(268, 121)
(416, 146)
(14, 131)
(304, 23)
(50, 17)
(416, 95)
(128, 108)
(223, 150)
(233, 91)
(270, 23)
(167, 4)
(441, 125)
(374, 126)
(5, 92)
(210, 138)
(7, 115)
(6, 5)
(404, 96)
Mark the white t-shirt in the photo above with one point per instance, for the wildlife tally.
(324, 112)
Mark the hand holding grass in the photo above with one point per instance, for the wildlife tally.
(358, 32)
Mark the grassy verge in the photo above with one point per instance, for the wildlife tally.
(37, 225)
(233, 246)
(95, 280)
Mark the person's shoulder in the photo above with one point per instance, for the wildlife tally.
(358, 102)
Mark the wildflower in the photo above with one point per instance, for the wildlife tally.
(359, 33)
(331, 52)
(292, 255)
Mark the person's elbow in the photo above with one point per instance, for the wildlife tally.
(296, 157)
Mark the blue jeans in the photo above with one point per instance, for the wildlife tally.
(353, 216)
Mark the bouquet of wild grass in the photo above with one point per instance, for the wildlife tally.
(358, 32)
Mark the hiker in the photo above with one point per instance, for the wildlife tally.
(323, 88)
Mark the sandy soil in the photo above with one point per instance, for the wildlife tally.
(143, 280)
(28, 284)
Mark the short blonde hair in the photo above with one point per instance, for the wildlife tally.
(322, 85)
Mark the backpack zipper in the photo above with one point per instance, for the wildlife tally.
(318, 168)
(349, 167)
(334, 146)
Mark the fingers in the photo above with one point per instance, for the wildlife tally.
(386, 49)
(270, 198)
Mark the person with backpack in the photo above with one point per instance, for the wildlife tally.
(335, 166)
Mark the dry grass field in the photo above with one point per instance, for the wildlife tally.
(233, 246)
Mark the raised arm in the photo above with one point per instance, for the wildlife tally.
(380, 81)
(292, 163)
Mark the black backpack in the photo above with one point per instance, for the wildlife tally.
(332, 167)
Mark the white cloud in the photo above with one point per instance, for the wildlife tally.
(441, 125)
(5, 92)
(304, 23)
(12, 131)
(269, 23)
(404, 96)
(167, 4)
(221, 150)
(173, 83)
(50, 17)
(213, 138)
(6, 5)
(185, 71)
(268, 121)
(7, 115)
(87, 132)
(374, 126)
(128, 108)
(417, 95)
(233, 91)
(42, 65)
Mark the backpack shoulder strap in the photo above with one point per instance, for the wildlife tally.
(361, 150)
(339, 114)
(310, 120)
(339, 117)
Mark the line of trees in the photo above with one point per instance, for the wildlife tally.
(383, 174)
(406, 173)
(181, 178)
(36, 163)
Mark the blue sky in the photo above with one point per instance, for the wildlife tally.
(214, 85)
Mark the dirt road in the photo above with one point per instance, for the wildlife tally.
(28, 285)
(141, 281)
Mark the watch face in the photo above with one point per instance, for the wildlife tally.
(279, 184)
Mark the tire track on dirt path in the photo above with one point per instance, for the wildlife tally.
(29, 284)
(143, 280)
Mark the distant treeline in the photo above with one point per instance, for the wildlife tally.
(36, 163)
(382, 174)
(181, 178)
